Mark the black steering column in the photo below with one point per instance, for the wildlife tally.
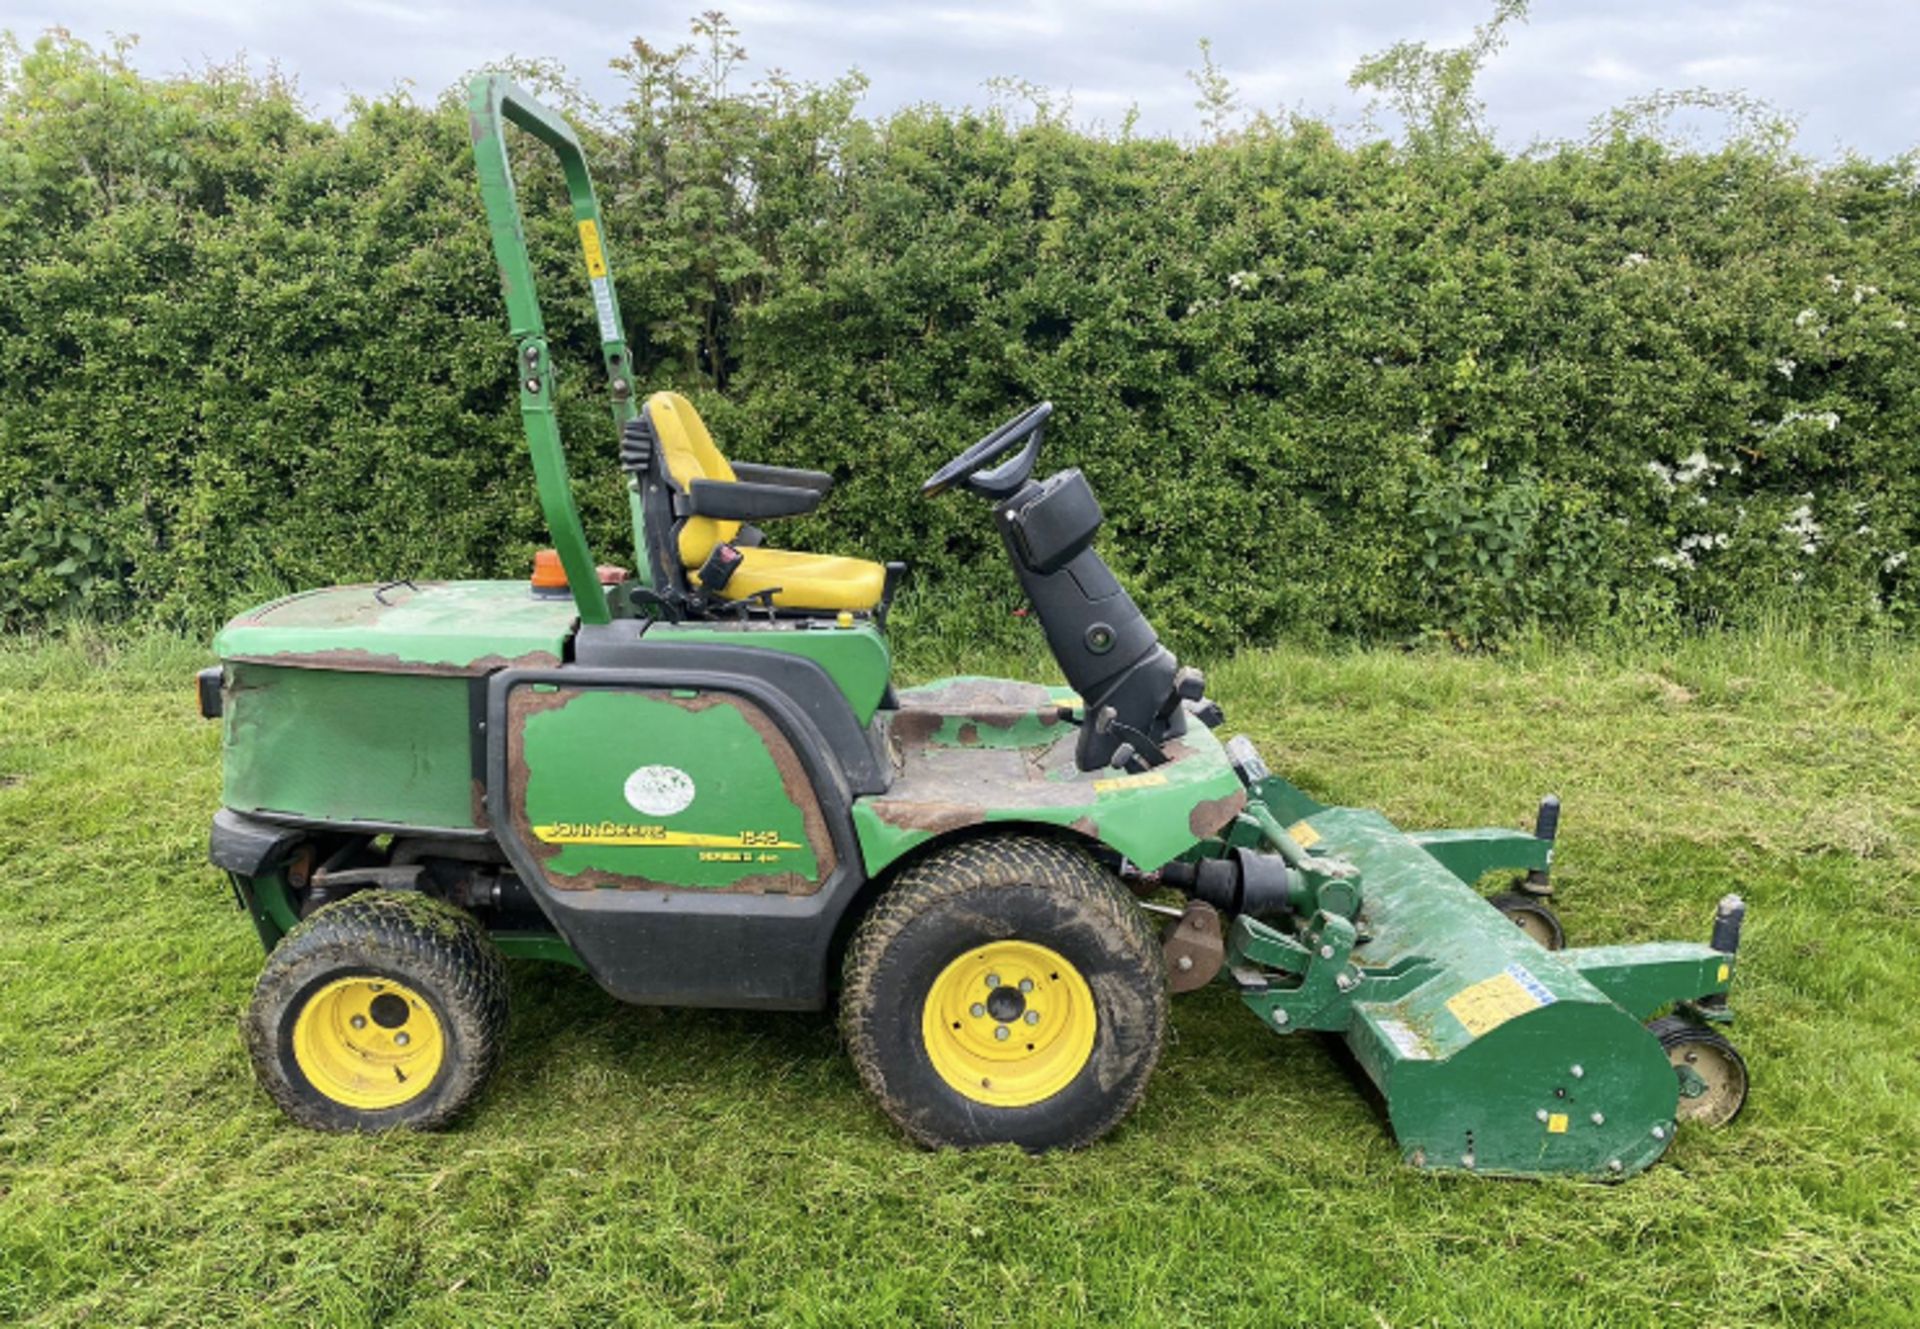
(1136, 693)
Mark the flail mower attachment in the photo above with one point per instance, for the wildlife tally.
(1493, 1053)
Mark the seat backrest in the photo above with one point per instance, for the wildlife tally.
(688, 451)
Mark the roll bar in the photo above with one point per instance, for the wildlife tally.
(494, 101)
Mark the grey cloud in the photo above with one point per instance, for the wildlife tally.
(1844, 66)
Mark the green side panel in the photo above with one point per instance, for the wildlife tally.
(1641, 979)
(1493, 1054)
(855, 658)
(1471, 855)
(647, 788)
(349, 746)
(961, 765)
(429, 626)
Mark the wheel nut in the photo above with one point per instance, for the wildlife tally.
(1577, 1071)
(400, 1039)
(359, 1022)
(1000, 1031)
(1599, 1118)
(1026, 985)
(1540, 1115)
(976, 1010)
(1033, 1017)
(1659, 1132)
(993, 980)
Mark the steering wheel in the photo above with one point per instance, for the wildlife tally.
(970, 469)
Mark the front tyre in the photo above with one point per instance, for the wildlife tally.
(382, 1010)
(1005, 990)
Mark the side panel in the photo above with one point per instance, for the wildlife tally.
(686, 831)
(661, 789)
(320, 745)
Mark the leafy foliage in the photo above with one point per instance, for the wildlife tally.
(1323, 387)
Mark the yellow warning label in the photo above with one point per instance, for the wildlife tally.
(1491, 1002)
(1140, 781)
(590, 246)
(655, 837)
(1557, 1124)
(1726, 971)
(1303, 835)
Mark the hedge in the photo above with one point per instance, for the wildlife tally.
(1322, 386)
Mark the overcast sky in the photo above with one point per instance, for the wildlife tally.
(1846, 67)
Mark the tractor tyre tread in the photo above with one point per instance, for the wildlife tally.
(988, 865)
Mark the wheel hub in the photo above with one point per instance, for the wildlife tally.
(368, 1043)
(1009, 1024)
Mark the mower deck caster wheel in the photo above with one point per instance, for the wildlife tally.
(385, 1009)
(1005, 991)
(1713, 1075)
(1533, 916)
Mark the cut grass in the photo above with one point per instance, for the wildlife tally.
(651, 1167)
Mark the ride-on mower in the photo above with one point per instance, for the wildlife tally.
(697, 782)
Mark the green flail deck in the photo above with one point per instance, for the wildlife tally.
(1493, 1054)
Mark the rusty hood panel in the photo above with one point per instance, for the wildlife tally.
(426, 627)
(974, 751)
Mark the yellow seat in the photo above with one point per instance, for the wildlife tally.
(798, 581)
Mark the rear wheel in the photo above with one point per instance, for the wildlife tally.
(1005, 991)
(1531, 915)
(1713, 1074)
(382, 1010)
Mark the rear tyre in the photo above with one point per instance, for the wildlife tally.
(1712, 1073)
(1005, 991)
(382, 1010)
(1533, 916)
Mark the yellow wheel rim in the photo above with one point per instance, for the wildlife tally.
(368, 1043)
(1009, 1024)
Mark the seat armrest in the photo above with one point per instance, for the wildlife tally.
(754, 473)
(744, 501)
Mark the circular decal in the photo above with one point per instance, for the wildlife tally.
(660, 791)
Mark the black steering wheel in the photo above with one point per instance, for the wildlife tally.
(970, 469)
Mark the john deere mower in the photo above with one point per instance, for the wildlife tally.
(697, 782)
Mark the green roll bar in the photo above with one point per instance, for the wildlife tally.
(494, 101)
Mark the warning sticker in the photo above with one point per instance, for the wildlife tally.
(1491, 1002)
(1303, 835)
(590, 246)
(1557, 1124)
(603, 309)
(1141, 780)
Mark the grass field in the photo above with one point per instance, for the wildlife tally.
(653, 1167)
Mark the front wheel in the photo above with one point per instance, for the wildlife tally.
(1005, 991)
(381, 1010)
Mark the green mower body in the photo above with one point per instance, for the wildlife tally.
(704, 797)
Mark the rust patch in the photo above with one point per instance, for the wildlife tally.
(934, 818)
(762, 883)
(973, 694)
(915, 726)
(369, 662)
(478, 808)
(1209, 815)
(969, 733)
(1086, 826)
